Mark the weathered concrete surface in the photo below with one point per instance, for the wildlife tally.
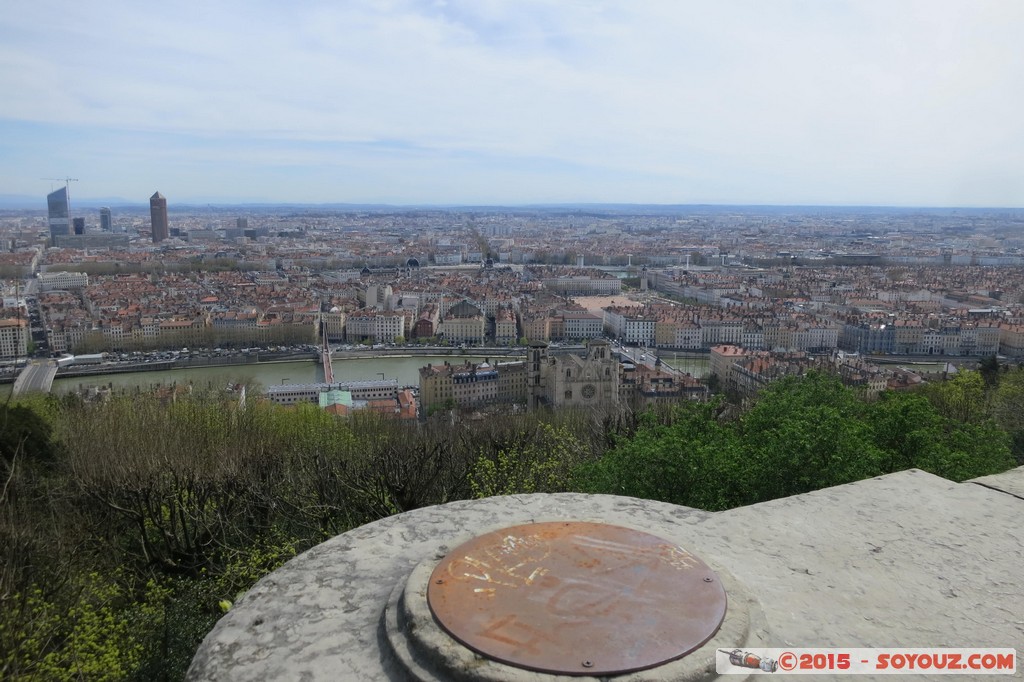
(906, 560)
(318, 617)
(1010, 482)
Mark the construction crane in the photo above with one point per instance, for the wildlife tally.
(67, 188)
(66, 181)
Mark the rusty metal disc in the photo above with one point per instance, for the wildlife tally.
(576, 598)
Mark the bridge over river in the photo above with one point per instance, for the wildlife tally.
(37, 376)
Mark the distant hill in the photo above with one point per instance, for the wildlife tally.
(21, 201)
(27, 202)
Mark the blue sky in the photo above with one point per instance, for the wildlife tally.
(887, 102)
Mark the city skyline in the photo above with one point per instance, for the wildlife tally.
(456, 103)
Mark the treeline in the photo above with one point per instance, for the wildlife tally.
(811, 432)
(128, 527)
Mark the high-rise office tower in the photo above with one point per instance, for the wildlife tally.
(79, 225)
(106, 220)
(158, 217)
(58, 210)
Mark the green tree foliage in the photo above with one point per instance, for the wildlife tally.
(989, 368)
(961, 399)
(1007, 407)
(128, 527)
(913, 432)
(89, 630)
(804, 434)
(686, 458)
(906, 427)
(23, 431)
(535, 463)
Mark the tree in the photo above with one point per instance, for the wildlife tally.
(1007, 408)
(907, 427)
(989, 369)
(689, 459)
(913, 432)
(538, 462)
(24, 431)
(971, 450)
(961, 398)
(805, 433)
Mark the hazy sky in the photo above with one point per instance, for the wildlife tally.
(520, 101)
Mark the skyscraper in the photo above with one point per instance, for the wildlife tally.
(58, 211)
(158, 217)
(106, 220)
(79, 225)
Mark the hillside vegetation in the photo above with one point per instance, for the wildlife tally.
(128, 527)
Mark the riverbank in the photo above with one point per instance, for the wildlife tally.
(404, 368)
(129, 367)
(117, 367)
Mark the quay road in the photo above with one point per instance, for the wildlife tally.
(37, 376)
(476, 351)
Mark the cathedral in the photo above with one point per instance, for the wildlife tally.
(571, 380)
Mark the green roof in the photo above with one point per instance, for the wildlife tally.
(336, 397)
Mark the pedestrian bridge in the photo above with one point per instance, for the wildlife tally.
(37, 376)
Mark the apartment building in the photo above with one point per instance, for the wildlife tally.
(375, 326)
(14, 336)
(53, 281)
(334, 324)
(584, 285)
(581, 326)
(426, 322)
(464, 323)
(505, 327)
(536, 325)
(642, 386)
(630, 324)
(472, 385)
(1011, 340)
(723, 360)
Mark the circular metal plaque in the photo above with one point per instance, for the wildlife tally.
(576, 598)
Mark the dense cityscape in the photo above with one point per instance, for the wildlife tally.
(455, 340)
(761, 292)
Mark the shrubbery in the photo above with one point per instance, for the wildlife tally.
(803, 434)
(128, 527)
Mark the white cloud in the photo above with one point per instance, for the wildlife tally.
(754, 101)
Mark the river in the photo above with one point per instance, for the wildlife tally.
(405, 369)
